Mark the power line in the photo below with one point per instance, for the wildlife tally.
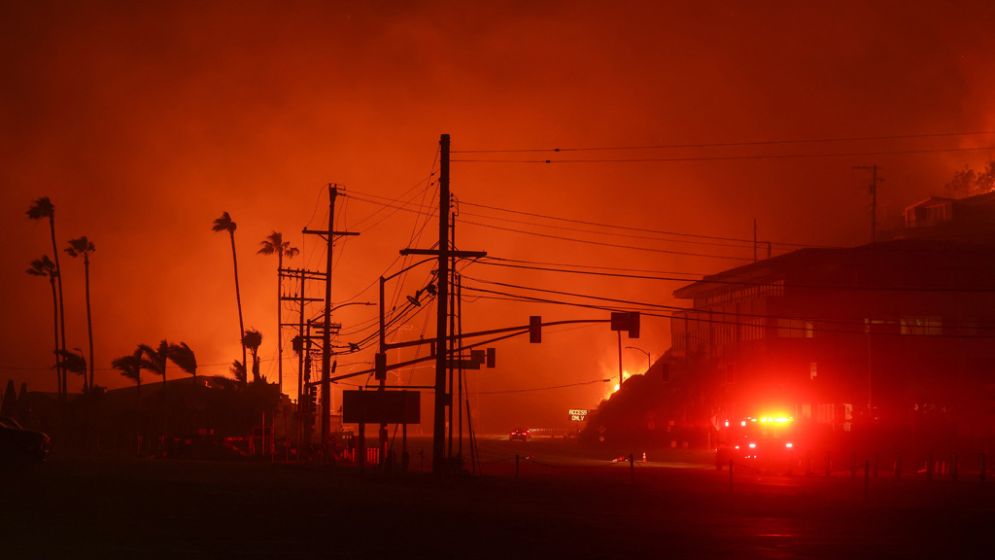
(823, 140)
(709, 320)
(736, 245)
(595, 267)
(630, 228)
(606, 244)
(573, 239)
(744, 283)
(800, 155)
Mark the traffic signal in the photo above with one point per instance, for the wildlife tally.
(311, 401)
(535, 329)
(626, 321)
(491, 357)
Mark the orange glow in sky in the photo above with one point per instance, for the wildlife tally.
(143, 123)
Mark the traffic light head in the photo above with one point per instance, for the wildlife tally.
(535, 329)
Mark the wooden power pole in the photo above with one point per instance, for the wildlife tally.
(442, 397)
(326, 329)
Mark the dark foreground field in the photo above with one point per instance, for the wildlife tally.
(116, 508)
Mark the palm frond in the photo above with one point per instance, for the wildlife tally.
(224, 223)
(130, 366)
(237, 370)
(42, 267)
(291, 252)
(41, 208)
(71, 361)
(252, 339)
(80, 246)
(181, 355)
(153, 359)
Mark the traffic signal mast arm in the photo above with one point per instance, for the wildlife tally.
(525, 328)
(506, 333)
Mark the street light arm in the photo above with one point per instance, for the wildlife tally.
(649, 359)
(407, 268)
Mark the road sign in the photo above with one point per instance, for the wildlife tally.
(381, 407)
(578, 414)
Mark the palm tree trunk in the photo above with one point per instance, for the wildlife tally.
(89, 321)
(55, 328)
(63, 385)
(238, 296)
(279, 321)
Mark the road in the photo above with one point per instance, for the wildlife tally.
(577, 507)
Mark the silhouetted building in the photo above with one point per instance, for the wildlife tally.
(900, 333)
(967, 219)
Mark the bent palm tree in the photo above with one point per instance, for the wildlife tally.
(225, 223)
(72, 361)
(43, 208)
(274, 244)
(155, 359)
(130, 366)
(252, 340)
(45, 267)
(82, 246)
(184, 358)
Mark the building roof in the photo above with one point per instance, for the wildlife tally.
(947, 256)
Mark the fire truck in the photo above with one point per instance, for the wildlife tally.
(764, 442)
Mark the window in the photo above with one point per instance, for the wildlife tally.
(923, 325)
(795, 328)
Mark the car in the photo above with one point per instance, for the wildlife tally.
(18, 443)
(519, 434)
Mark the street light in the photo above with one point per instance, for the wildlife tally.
(341, 305)
(644, 352)
(380, 364)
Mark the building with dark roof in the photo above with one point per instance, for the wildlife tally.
(899, 333)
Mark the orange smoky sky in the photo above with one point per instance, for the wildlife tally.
(144, 121)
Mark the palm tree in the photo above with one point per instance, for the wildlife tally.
(72, 361)
(252, 340)
(274, 244)
(237, 370)
(43, 208)
(155, 359)
(45, 267)
(130, 366)
(184, 358)
(82, 246)
(225, 223)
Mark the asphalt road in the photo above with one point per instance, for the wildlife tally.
(562, 505)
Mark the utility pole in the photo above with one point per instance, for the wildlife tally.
(326, 329)
(302, 275)
(873, 189)
(620, 380)
(452, 329)
(442, 300)
(754, 240)
(443, 253)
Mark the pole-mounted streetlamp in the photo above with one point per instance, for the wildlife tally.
(648, 359)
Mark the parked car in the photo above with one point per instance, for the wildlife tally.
(19, 443)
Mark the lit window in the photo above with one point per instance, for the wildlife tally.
(923, 325)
